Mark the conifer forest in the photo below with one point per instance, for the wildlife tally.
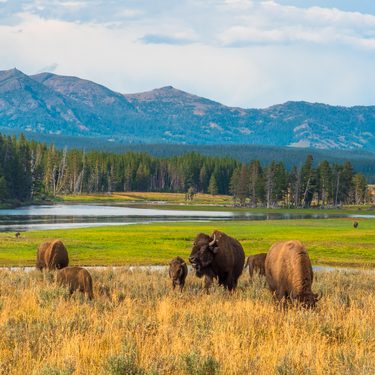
(31, 169)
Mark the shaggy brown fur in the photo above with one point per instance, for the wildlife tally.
(289, 273)
(52, 255)
(355, 224)
(256, 263)
(223, 259)
(17, 234)
(76, 278)
(178, 272)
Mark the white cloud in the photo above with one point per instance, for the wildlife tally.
(277, 53)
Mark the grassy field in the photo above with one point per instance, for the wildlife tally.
(137, 325)
(329, 241)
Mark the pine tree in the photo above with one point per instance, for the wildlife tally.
(234, 185)
(212, 187)
(3, 189)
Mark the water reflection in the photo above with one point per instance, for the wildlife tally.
(65, 216)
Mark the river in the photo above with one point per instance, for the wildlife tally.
(65, 216)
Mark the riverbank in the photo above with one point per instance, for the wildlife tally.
(329, 241)
(201, 202)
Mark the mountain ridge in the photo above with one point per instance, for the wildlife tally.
(55, 104)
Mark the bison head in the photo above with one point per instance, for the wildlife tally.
(175, 271)
(307, 300)
(202, 254)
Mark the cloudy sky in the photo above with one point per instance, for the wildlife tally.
(240, 53)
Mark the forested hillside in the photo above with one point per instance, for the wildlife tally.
(52, 104)
(32, 169)
(361, 160)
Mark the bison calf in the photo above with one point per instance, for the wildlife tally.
(355, 224)
(76, 278)
(256, 263)
(178, 272)
(52, 255)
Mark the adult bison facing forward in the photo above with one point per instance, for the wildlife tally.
(76, 278)
(289, 273)
(52, 255)
(217, 256)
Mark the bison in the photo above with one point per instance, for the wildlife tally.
(76, 278)
(52, 255)
(355, 224)
(289, 273)
(256, 263)
(178, 272)
(217, 256)
(17, 234)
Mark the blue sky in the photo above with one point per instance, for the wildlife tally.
(240, 53)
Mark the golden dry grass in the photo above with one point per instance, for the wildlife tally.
(137, 325)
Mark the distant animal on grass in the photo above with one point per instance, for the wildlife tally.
(178, 272)
(217, 256)
(17, 234)
(355, 224)
(76, 278)
(52, 255)
(256, 263)
(289, 273)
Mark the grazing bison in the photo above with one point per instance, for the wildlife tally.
(52, 255)
(76, 278)
(289, 273)
(178, 272)
(256, 263)
(217, 256)
(355, 224)
(17, 234)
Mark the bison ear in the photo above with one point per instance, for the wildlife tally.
(215, 250)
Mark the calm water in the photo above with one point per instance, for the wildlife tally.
(64, 216)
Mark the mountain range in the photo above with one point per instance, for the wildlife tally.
(54, 104)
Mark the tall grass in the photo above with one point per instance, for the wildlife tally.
(137, 325)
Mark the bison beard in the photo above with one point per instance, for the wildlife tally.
(217, 256)
(289, 273)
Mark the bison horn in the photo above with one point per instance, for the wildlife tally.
(320, 295)
(212, 243)
(182, 263)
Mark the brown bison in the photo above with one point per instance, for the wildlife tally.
(52, 255)
(289, 273)
(217, 256)
(178, 272)
(17, 234)
(76, 278)
(355, 224)
(256, 263)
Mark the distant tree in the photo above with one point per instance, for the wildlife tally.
(234, 185)
(212, 187)
(3, 189)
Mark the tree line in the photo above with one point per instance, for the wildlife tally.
(30, 169)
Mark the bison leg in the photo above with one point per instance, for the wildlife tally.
(251, 271)
(281, 296)
(207, 283)
(182, 286)
(173, 284)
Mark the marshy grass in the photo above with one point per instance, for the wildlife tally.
(137, 324)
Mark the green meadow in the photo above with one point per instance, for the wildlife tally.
(328, 241)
